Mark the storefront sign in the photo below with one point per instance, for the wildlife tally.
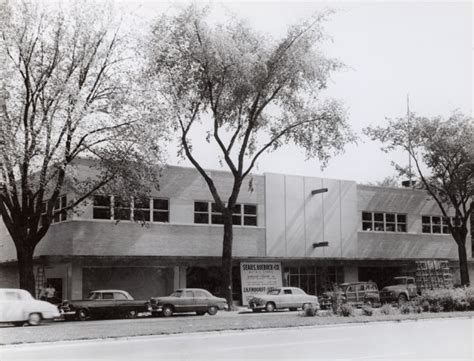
(258, 277)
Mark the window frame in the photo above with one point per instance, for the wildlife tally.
(379, 220)
(442, 225)
(212, 213)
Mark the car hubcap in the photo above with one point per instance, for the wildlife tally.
(34, 319)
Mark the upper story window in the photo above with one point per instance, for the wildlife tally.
(59, 211)
(138, 209)
(384, 222)
(437, 224)
(242, 214)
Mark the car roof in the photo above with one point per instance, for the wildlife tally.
(108, 291)
(357, 283)
(192, 289)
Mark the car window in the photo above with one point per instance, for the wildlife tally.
(287, 292)
(350, 289)
(107, 296)
(178, 293)
(297, 291)
(273, 292)
(200, 294)
(120, 296)
(95, 296)
(188, 294)
(360, 287)
(410, 281)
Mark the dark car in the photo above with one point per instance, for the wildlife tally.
(354, 293)
(104, 304)
(187, 300)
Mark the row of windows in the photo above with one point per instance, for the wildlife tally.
(394, 222)
(157, 210)
(59, 211)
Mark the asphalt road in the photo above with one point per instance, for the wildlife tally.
(442, 339)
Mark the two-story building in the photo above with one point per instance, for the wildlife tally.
(319, 230)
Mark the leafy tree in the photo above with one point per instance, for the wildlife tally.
(389, 181)
(67, 92)
(439, 149)
(252, 93)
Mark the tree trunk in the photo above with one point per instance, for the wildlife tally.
(227, 258)
(25, 270)
(463, 268)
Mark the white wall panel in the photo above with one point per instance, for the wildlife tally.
(275, 215)
(295, 202)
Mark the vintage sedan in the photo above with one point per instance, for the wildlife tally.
(18, 306)
(187, 300)
(104, 304)
(355, 293)
(283, 297)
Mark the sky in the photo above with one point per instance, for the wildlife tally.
(391, 50)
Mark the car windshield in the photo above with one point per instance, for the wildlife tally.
(273, 292)
(177, 294)
(400, 281)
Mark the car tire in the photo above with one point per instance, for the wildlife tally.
(293, 309)
(34, 319)
(212, 310)
(305, 306)
(369, 303)
(256, 310)
(82, 314)
(402, 299)
(200, 313)
(167, 311)
(270, 307)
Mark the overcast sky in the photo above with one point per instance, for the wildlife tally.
(391, 49)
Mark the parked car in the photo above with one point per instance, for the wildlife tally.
(283, 297)
(354, 293)
(402, 289)
(18, 306)
(187, 300)
(103, 304)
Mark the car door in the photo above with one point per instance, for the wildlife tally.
(11, 306)
(121, 303)
(107, 304)
(288, 299)
(411, 287)
(185, 302)
(201, 301)
(351, 294)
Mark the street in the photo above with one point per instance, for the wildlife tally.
(441, 339)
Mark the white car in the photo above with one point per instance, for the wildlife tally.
(283, 297)
(18, 306)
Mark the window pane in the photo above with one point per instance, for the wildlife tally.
(237, 209)
(378, 226)
(57, 204)
(101, 213)
(141, 215)
(390, 227)
(122, 214)
(436, 229)
(217, 219)
(436, 220)
(63, 202)
(445, 220)
(143, 203)
(401, 218)
(103, 201)
(401, 227)
(201, 206)
(121, 202)
(250, 209)
(237, 220)
(445, 229)
(214, 208)
(426, 219)
(63, 215)
(163, 204)
(161, 216)
(56, 217)
(366, 226)
(426, 229)
(250, 221)
(389, 217)
(378, 217)
(201, 218)
(366, 216)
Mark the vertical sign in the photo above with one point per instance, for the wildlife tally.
(258, 277)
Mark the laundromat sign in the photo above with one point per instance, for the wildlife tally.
(258, 277)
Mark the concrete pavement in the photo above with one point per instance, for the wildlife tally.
(440, 339)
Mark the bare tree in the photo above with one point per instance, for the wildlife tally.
(252, 93)
(439, 149)
(67, 91)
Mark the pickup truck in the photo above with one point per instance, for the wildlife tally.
(103, 304)
(402, 290)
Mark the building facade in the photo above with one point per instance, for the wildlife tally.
(320, 231)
